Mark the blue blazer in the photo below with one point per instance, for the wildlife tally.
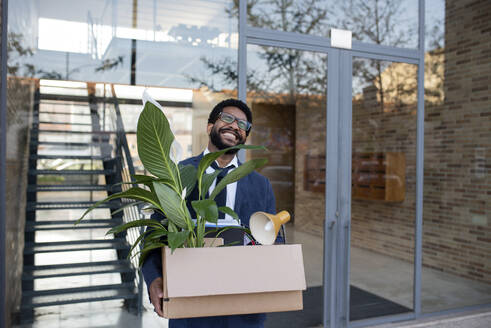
(254, 193)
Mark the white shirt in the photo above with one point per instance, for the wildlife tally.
(231, 191)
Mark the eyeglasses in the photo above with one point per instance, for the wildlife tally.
(229, 119)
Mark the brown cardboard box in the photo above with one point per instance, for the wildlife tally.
(214, 281)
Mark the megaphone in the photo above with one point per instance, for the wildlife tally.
(264, 226)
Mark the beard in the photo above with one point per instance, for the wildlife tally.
(218, 142)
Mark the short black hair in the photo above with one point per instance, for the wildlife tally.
(230, 103)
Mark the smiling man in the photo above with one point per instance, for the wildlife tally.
(229, 124)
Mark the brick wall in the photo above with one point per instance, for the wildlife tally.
(457, 193)
(309, 205)
(385, 227)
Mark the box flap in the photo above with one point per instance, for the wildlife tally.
(234, 270)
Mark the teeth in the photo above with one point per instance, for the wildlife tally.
(230, 135)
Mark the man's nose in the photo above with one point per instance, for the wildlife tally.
(234, 124)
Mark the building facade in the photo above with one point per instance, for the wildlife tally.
(379, 148)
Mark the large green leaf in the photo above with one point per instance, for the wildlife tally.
(172, 227)
(207, 180)
(154, 139)
(221, 230)
(148, 236)
(229, 211)
(156, 234)
(134, 224)
(137, 241)
(238, 174)
(128, 205)
(146, 250)
(171, 204)
(188, 177)
(207, 209)
(177, 239)
(211, 157)
(133, 193)
(147, 180)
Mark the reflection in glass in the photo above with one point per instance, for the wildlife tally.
(287, 93)
(456, 213)
(393, 85)
(385, 22)
(383, 188)
(176, 42)
(69, 64)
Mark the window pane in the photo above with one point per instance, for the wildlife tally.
(69, 61)
(176, 43)
(385, 22)
(457, 183)
(383, 188)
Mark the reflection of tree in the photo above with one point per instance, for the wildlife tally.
(109, 64)
(299, 72)
(434, 76)
(301, 16)
(400, 82)
(290, 70)
(380, 22)
(434, 62)
(15, 50)
(226, 70)
(376, 21)
(434, 35)
(296, 71)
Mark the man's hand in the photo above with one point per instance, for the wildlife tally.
(156, 295)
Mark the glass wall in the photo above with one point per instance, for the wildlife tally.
(286, 90)
(385, 22)
(67, 63)
(383, 188)
(161, 43)
(457, 188)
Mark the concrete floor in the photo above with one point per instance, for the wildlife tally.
(379, 274)
(392, 279)
(468, 320)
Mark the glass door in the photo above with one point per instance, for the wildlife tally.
(371, 189)
(341, 136)
(286, 90)
(383, 187)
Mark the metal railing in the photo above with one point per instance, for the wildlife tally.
(121, 161)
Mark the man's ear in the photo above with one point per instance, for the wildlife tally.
(208, 128)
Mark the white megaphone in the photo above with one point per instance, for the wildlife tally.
(264, 226)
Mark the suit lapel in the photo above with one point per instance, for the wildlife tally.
(197, 159)
(241, 198)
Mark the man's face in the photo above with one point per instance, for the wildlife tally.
(224, 135)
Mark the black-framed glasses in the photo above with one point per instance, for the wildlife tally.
(229, 119)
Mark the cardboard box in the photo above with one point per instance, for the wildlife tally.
(216, 281)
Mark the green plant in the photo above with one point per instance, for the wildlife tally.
(170, 186)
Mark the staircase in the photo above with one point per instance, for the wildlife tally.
(78, 155)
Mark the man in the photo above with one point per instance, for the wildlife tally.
(229, 124)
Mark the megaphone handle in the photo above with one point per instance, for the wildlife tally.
(282, 233)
